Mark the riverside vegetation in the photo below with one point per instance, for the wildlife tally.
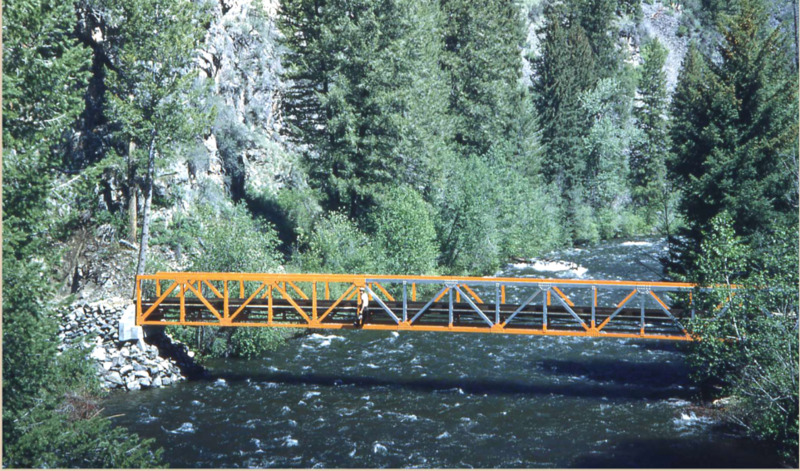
(424, 137)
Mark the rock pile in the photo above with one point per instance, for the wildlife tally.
(123, 365)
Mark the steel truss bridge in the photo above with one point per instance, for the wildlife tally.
(579, 308)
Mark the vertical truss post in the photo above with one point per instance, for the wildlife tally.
(314, 301)
(642, 295)
(497, 303)
(405, 301)
(139, 296)
(183, 302)
(545, 298)
(594, 304)
(414, 292)
(327, 291)
(225, 304)
(450, 306)
(241, 289)
(269, 304)
(158, 288)
(503, 294)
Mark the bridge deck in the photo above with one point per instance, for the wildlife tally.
(467, 304)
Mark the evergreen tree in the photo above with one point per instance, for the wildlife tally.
(44, 76)
(735, 132)
(482, 59)
(652, 193)
(563, 72)
(367, 93)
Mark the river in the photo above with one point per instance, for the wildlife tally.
(365, 399)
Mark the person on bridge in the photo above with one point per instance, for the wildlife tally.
(363, 304)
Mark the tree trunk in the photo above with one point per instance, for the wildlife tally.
(132, 203)
(148, 197)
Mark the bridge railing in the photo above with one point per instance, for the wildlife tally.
(599, 308)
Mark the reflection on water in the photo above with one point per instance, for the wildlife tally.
(421, 399)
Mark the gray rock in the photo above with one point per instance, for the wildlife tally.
(133, 386)
(114, 378)
(166, 381)
(138, 367)
(145, 382)
(141, 374)
(125, 369)
(157, 382)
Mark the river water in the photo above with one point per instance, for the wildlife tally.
(362, 399)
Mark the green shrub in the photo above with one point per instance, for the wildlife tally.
(404, 232)
(466, 223)
(254, 342)
(232, 241)
(338, 246)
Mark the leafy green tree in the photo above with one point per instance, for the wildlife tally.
(337, 245)
(153, 94)
(606, 147)
(735, 131)
(404, 232)
(750, 349)
(231, 240)
(466, 223)
(367, 94)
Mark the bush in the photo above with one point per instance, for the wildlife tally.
(338, 246)
(404, 232)
(232, 241)
(254, 342)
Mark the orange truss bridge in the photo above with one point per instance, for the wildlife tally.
(580, 308)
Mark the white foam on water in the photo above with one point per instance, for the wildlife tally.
(196, 403)
(379, 449)
(373, 366)
(285, 410)
(186, 427)
(289, 442)
(220, 382)
(637, 243)
(395, 334)
(443, 435)
(558, 266)
(691, 419)
(311, 394)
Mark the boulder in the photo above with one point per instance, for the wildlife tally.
(114, 378)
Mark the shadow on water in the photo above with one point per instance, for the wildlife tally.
(579, 388)
(646, 374)
(680, 453)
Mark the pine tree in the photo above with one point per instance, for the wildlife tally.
(366, 92)
(735, 131)
(44, 76)
(563, 72)
(484, 68)
(651, 191)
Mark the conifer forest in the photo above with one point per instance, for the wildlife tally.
(408, 137)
